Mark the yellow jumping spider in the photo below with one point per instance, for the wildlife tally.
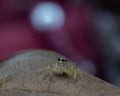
(63, 67)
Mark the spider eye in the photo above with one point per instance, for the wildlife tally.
(62, 60)
(65, 60)
(58, 59)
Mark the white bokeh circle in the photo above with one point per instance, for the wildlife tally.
(47, 16)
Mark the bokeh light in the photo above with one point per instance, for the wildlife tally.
(88, 66)
(47, 16)
(105, 21)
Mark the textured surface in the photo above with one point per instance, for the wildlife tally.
(23, 74)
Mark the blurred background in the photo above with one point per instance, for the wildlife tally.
(86, 31)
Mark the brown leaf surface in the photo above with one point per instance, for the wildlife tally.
(23, 74)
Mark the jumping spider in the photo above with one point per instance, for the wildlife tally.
(63, 68)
